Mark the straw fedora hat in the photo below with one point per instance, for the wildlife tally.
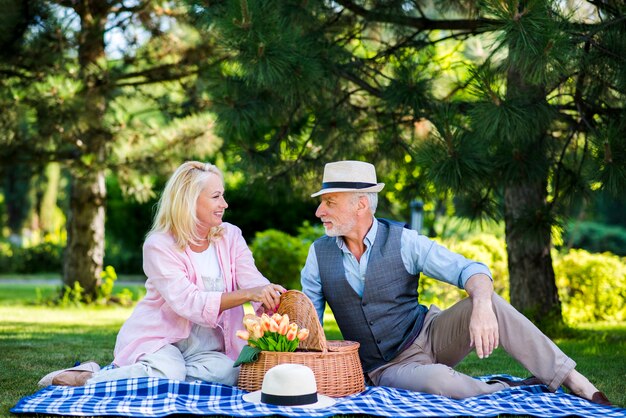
(349, 176)
(290, 385)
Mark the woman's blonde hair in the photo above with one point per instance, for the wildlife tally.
(176, 209)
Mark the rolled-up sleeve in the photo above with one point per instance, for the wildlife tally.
(423, 255)
(312, 283)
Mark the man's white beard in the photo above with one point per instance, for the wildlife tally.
(339, 231)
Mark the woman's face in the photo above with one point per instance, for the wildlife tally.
(211, 204)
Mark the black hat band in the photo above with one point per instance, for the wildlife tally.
(291, 400)
(346, 185)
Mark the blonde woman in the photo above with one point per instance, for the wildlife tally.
(199, 274)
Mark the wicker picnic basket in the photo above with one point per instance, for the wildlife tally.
(335, 364)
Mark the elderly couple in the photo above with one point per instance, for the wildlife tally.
(200, 272)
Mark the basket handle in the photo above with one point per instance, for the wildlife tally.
(301, 311)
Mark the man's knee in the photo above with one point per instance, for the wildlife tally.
(437, 379)
(431, 378)
(502, 306)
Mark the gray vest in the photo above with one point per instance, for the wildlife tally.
(388, 317)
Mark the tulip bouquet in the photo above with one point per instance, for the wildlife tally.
(272, 333)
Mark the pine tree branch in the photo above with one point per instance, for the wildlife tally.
(599, 109)
(559, 168)
(405, 43)
(359, 82)
(471, 25)
(158, 79)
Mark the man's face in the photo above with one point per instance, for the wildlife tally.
(338, 213)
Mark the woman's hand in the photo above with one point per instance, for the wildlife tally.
(268, 295)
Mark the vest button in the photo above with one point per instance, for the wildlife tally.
(378, 341)
(371, 322)
(363, 304)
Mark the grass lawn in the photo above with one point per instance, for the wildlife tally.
(35, 340)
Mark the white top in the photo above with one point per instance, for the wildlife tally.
(202, 338)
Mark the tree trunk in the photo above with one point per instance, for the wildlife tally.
(84, 255)
(532, 283)
(528, 233)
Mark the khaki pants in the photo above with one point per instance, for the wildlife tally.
(426, 365)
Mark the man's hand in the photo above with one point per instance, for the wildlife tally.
(483, 329)
(483, 322)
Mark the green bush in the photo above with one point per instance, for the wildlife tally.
(41, 258)
(592, 287)
(280, 256)
(309, 233)
(6, 257)
(75, 296)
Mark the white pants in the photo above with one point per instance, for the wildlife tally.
(199, 357)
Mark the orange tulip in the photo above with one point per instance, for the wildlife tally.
(303, 334)
(265, 322)
(273, 326)
(293, 332)
(277, 317)
(244, 335)
(283, 325)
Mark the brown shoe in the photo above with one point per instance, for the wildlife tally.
(600, 398)
(529, 381)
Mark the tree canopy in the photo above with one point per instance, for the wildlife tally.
(511, 110)
(516, 108)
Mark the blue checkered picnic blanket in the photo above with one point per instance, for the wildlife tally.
(152, 397)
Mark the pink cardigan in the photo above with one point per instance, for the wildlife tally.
(175, 298)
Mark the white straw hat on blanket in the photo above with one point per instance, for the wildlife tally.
(290, 385)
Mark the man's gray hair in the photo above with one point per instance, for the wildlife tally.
(372, 199)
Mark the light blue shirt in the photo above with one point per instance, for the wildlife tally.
(419, 255)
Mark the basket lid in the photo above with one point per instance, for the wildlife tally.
(301, 311)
